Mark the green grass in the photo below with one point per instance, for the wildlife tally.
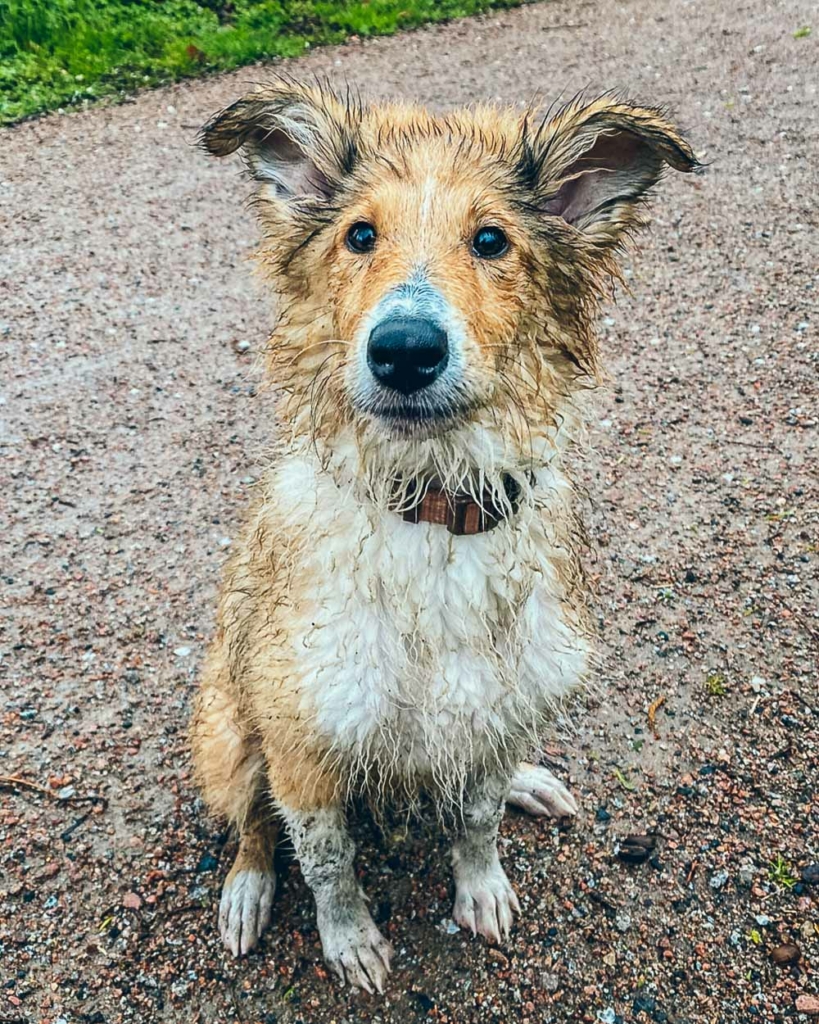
(716, 685)
(54, 53)
(781, 873)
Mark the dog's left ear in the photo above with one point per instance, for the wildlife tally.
(298, 141)
(592, 164)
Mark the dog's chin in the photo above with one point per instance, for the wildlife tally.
(407, 418)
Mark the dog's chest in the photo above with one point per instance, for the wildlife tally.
(424, 652)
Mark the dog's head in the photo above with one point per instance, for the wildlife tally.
(440, 274)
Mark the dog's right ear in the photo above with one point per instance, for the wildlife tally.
(299, 141)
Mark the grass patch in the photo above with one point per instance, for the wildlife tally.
(781, 873)
(54, 53)
(716, 685)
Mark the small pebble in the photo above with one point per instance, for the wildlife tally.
(448, 926)
(644, 1003)
(635, 849)
(786, 954)
(808, 1004)
(747, 873)
(810, 874)
(132, 901)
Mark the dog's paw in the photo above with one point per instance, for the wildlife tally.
(244, 911)
(356, 951)
(536, 791)
(485, 902)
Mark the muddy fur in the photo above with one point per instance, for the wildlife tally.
(356, 652)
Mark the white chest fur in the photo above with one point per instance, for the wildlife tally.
(421, 655)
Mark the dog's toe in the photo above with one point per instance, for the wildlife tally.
(357, 952)
(244, 911)
(535, 790)
(486, 903)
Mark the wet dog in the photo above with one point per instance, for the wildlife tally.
(405, 608)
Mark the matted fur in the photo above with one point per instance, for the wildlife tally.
(356, 651)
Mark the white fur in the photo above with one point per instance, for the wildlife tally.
(357, 952)
(421, 655)
(244, 911)
(535, 790)
(427, 194)
(353, 947)
(485, 902)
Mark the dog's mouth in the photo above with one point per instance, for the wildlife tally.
(417, 415)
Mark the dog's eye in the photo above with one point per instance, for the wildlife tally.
(489, 243)
(361, 237)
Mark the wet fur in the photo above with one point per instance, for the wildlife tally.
(356, 652)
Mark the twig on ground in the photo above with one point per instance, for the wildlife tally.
(653, 708)
(16, 782)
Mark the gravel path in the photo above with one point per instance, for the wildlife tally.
(131, 432)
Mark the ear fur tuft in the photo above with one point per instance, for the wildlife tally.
(592, 163)
(301, 140)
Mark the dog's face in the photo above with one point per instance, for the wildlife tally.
(428, 262)
(439, 272)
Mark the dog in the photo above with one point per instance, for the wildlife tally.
(406, 607)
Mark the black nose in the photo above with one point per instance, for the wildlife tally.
(407, 353)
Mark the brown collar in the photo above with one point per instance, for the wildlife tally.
(458, 511)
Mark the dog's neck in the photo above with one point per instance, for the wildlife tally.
(467, 481)
(461, 512)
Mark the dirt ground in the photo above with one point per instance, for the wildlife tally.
(131, 434)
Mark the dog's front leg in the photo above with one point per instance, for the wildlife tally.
(485, 901)
(353, 946)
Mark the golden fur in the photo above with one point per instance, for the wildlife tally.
(566, 190)
(534, 342)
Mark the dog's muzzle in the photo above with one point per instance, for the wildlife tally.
(407, 353)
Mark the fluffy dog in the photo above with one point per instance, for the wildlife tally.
(405, 608)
